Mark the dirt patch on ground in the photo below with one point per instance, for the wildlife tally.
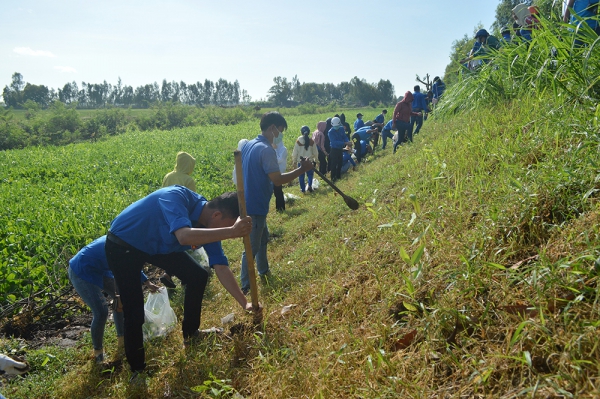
(59, 320)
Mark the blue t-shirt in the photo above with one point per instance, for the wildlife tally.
(438, 89)
(585, 9)
(89, 264)
(259, 159)
(379, 118)
(337, 137)
(362, 133)
(419, 101)
(363, 147)
(149, 224)
(388, 126)
(358, 124)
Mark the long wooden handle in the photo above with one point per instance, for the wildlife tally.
(322, 176)
(239, 176)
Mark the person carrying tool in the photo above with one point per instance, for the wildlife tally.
(89, 273)
(261, 172)
(159, 229)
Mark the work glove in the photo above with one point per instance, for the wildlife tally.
(12, 367)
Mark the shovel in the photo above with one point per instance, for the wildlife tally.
(351, 202)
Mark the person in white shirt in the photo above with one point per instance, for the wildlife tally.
(306, 148)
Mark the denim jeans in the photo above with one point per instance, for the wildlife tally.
(126, 264)
(309, 174)
(386, 134)
(259, 236)
(93, 296)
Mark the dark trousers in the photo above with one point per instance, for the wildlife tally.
(322, 162)
(418, 120)
(126, 264)
(279, 199)
(335, 158)
(357, 147)
(404, 133)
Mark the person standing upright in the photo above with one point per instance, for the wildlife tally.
(401, 120)
(282, 153)
(419, 106)
(338, 140)
(305, 148)
(319, 139)
(184, 167)
(261, 171)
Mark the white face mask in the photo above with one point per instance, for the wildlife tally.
(277, 140)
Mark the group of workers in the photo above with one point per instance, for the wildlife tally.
(578, 13)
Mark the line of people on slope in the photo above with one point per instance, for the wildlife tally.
(578, 13)
(162, 227)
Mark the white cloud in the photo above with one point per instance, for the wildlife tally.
(66, 69)
(35, 53)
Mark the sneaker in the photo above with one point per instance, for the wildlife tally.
(99, 358)
(310, 189)
(245, 291)
(167, 282)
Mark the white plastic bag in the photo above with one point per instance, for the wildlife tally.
(160, 317)
(315, 184)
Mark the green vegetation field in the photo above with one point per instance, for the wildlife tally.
(471, 268)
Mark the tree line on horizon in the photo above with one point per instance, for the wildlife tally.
(284, 92)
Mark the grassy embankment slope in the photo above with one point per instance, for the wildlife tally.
(471, 270)
(472, 197)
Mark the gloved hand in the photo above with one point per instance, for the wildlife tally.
(12, 367)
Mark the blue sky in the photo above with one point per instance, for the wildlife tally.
(55, 42)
